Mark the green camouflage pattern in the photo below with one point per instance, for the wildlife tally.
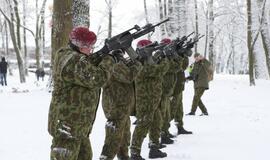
(71, 149)
(155, 129)
(148, 90)
(180, 82)
(117, 100)
(199, 74)
(168, 84)
(197, 101)
(117, 139)
(75, 97)
(177, 111)
(169, 80)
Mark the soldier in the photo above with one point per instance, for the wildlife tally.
(118, 98)
(75, 97)
(177, 101)
(200, 77)
(148, 90)
(169, 82)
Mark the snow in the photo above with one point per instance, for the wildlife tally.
(237, 126)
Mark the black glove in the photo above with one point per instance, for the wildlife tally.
(189, 78)
(118, 55)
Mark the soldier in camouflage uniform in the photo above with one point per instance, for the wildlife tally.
(200, 77)
(177, 101)
(75, 97)
(117, 100)
(168, 84)
(148, 89)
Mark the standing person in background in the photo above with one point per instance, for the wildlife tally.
(118, 98)
(40, 73)
(199, 75)
(78, 78)
(3, 71)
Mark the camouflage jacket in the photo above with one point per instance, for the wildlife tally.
(199, 74)
(169, 80)
(118, 94)
(76, 91)
(180, 82)
(148, 85)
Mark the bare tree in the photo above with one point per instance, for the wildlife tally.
(196, 23)
(109, 5)
(24, 39)
(146, 16)
(181, 17)
(61, 24)
(161, 17)
(206, 30)
(265, 33)
(170, 25)
(211, 54)
(14, 28)
(250, 47)
(81, 13)
(39, 27)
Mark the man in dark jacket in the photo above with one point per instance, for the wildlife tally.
(200, 77)
(40, 73)
(3, 71)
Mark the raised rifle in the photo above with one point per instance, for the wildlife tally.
(124, 40)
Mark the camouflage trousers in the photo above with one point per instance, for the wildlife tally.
(117, 139)
(165, 107)
(147, 121)
(177, 111)
(197, 100)
(71, 149)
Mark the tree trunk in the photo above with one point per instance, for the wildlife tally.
(13, 33)
(110, 18)
(265, 34)
(170, 24)
(181, 17)
(38, 37)
(161, 17)
(81, 15)
(196, 24)
(24, 40)
(146, 17)
(249, 43)
(18, 22)
(61, 24)
(206, 32)
(211, 54)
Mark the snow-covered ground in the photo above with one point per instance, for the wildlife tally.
(237, 128)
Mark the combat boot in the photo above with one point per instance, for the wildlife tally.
(204, 114)
(191, 114)
(166, 140)
(181, 130)
(136, 157)
(171, 135)
(123, 158)
(156, 153)
(160, 146)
